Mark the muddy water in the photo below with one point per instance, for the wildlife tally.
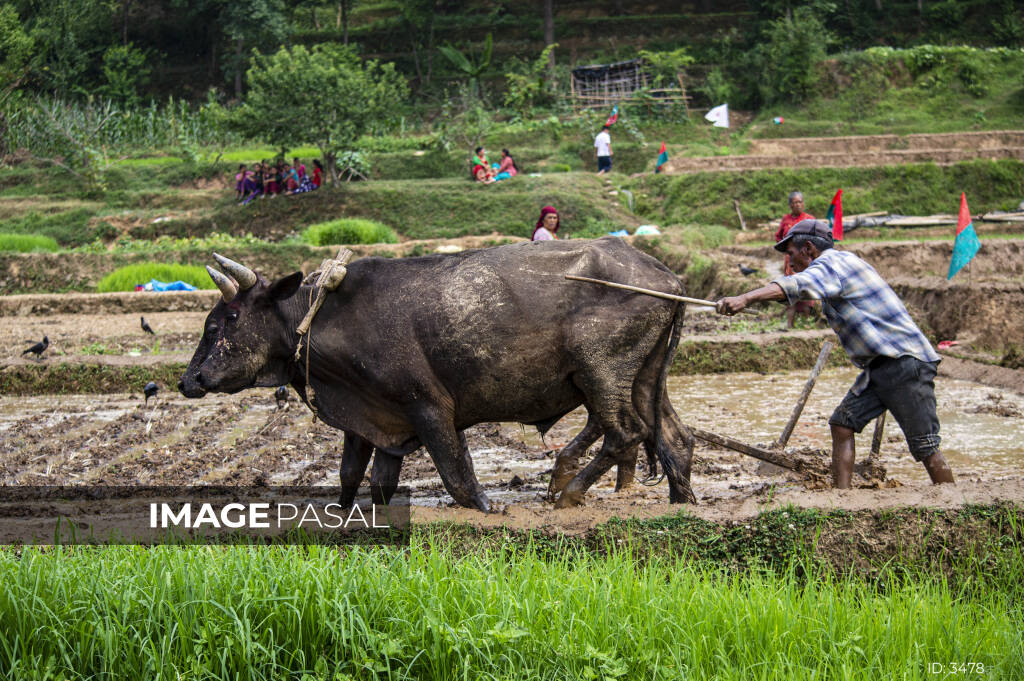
(755, 408)
(243, 439)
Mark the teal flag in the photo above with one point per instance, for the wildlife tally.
(964, 248)
(966, 245)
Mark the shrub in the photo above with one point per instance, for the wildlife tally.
(349, 231)
(26, 243)
(126, 278)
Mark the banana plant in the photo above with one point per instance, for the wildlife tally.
(472, 68)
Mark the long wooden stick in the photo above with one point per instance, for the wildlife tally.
(876, 439)
(777, 457)
(826, 348)
(650, 292)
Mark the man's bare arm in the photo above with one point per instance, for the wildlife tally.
(734, 304)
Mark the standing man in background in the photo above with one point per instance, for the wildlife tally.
(796, 214)
(603, 149)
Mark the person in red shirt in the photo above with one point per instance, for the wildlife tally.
(796, 214)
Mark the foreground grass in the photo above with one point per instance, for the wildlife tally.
(438, 612)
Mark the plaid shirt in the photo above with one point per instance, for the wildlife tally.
(861, 308)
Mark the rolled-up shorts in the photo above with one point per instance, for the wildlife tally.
(604, 163)
(906, 387)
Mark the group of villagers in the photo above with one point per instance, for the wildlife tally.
(265, 179)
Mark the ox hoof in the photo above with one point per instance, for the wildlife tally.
(482, 503)
(569, 499)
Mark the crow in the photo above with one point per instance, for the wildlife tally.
(281, 395)
(150, 390)
(747, 271)
(145, 325)
(38, 348)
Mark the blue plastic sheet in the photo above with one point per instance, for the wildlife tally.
(155, 285)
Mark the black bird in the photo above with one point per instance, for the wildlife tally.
(281, 395)
(38, 348)
(747, 271)
(145, 325)
(150, 390)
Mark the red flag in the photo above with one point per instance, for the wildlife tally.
(662, 158)
(964, 218)
(835, 215)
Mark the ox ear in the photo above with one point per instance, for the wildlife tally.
(285, 287)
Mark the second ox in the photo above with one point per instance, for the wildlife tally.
(410, 352)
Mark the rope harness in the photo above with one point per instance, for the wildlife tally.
(324, 280)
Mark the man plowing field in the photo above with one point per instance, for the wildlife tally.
(898, 362)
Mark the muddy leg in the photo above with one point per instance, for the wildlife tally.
(450, 454)
(566, 465)
(626, 472)
(384, 477)
(677, 447)
(611, 452)
(354, 457)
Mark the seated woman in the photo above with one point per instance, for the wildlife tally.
(254, 185)
(507, 168)
(291, 179)
(482, 174)
(318, 173)
(240, 178)
(547, 225)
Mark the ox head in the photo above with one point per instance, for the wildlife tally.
(248, 340)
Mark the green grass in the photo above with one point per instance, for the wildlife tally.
(501, 613)
(349, 231)
(126, 278)
(27, 243)
(67, 228)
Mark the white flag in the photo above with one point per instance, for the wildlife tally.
(719, 116)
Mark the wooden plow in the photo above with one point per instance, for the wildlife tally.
(812, 465)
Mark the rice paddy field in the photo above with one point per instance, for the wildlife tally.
(526, 607)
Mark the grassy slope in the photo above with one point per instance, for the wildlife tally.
(915, 189)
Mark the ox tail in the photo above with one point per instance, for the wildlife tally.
(662, 451)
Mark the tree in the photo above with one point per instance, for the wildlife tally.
(326, 96)
(473, 68)
(125, 70)
(252, 22)
(418, 17)
(788, 60)
(15, 49)
(68, 36)
(549, 33)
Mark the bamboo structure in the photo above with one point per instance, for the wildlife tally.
(604, 85)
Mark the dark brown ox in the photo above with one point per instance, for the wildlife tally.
(411, 352)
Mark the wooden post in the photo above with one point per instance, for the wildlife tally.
(682, 87)
(826, 348)
(743, 223)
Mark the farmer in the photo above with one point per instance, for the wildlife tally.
(877, 333)
(796, 214)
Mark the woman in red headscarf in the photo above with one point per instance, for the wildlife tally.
(547, 225)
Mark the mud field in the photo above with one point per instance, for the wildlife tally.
(114, 439)
(246, 440)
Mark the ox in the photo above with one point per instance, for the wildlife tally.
(408, 353)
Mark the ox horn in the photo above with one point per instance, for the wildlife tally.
(226, 286)
(245, 277)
